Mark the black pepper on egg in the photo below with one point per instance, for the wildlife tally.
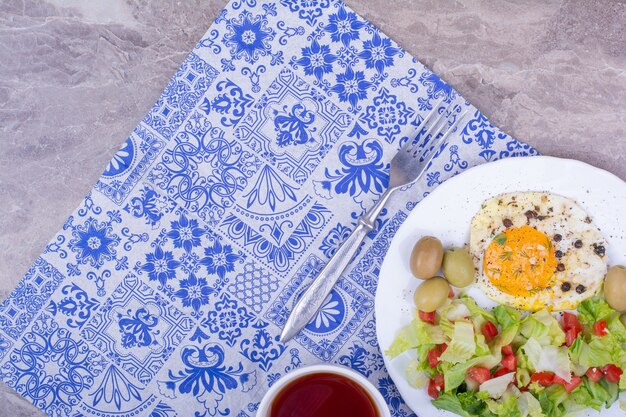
(578, 244)
(557, 237)
(580, 288)
(566, 286)
(599, 249)
(530, 214)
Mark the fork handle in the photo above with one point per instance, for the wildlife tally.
(314, 296)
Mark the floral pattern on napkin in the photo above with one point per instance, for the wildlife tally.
(165, 292)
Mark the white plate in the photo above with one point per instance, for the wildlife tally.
(447, 212)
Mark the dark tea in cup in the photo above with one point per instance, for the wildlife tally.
(323, 394)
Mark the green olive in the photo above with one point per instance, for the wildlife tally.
(615, 287)
(623, 319)
(458, 267)
(426, 257)
(431, 294)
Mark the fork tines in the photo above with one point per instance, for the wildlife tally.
(432, 131)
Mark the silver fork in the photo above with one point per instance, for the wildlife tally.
(407, 166)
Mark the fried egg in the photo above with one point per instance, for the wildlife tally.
(535, 250)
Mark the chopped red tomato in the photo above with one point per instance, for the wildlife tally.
(436, 386)
(599, 328)
(451, 293)
(570, 321)
(594, 374)
(478, 374)
(543, 378)
(489, 331)
(510, 362)
(571, 385)
(570, 336)
(507, 350)
(427, 317)
(434, 354)
(500, 372)
(612, 373)
(572, 328)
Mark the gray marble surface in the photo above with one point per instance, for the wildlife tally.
(77, 75)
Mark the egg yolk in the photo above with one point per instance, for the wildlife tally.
(520, 261)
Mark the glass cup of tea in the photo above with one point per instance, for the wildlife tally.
(323, 391)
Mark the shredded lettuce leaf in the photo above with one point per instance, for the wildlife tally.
(462, 346)
(548, 358)
(405, 340)
(490, 361)
(616, 329)
(478, 315)
(473, 402)
(543, 327)
(593, 310)
(415, 334)
(451, 402)
(590, 394)
(497, 386)
(537, 340)
(507, 316)
(613, 391)
(416, 376)
(528, 405)
(523, 377)
(458, 311)
(571, 409)
(551, 400)
(598, 352)
(507, 336)
(507, 408)
(455, 375)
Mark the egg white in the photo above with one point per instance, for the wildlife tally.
(553, 214)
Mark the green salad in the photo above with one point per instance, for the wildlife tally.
(475, 362)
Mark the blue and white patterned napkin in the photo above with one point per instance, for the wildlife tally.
(166, 290)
